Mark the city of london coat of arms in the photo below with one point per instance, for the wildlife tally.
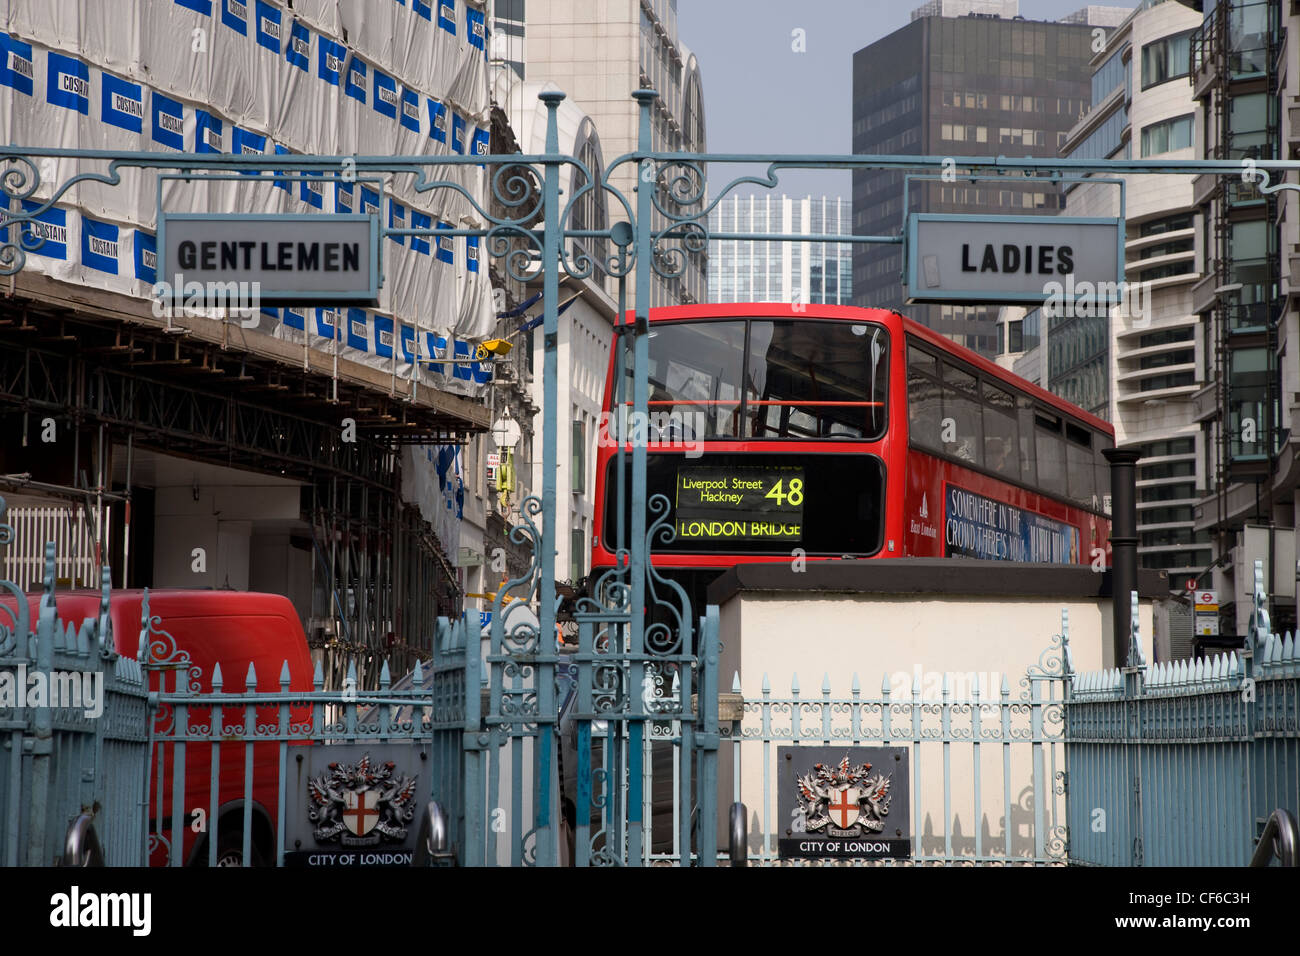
(360, 804)
(844, 800)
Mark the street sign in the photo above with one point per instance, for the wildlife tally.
(290, 258)
(1013, 259)
(1206, 619)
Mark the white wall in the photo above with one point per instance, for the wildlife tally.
(221, 523)
(895, 638)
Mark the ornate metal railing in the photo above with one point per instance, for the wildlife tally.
(656, 232)
(1181, 762)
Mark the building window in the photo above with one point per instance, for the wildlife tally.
(1015, 337)
(578, 468)
(1167, 136)
(1174, 446)
(1165, 60)
(1109, 77)
(577, 554)
(1158, 227)
(1249, 421)
(1103, 141)
(1173, 380)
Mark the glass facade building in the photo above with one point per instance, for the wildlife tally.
(1135, 363)
(973, 85)
(748, 270)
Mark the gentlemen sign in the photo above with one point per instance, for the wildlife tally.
(844, 802)
(292, 258)
(995, 259)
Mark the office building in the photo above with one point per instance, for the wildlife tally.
(598, 52)
(1243, 59)
(754, 270)
(963, 78)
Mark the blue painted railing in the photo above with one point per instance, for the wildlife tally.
(1181, 763)
(430, 707)
(72, 741)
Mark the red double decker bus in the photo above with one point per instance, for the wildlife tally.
(821, 433)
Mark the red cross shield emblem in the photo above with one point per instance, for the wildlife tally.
(844, 807)
(361, 816)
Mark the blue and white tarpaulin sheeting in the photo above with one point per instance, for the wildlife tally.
(259, 77)
(433, 478)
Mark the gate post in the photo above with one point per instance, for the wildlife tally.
(1133, 676)
(42, 722)
(706, 741)
(473, 740)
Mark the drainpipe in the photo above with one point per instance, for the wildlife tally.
(1123, 541)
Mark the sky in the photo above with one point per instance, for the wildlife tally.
(760, 96)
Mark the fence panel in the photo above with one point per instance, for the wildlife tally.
(68, 527)
(72, 727)
(982, 769)
(232, 758)
(1180, 763)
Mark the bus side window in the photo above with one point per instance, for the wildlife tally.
(1001, 439)
(1080, 465)
(1028, 456)
(1100, 443)
(961, 405)
(1051, 454)
(923, 404)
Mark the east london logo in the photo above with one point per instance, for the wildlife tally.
(920, 527)
(360, 806)
(844, 801)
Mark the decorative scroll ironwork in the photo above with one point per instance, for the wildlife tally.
(643, 671)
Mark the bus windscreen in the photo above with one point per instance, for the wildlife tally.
(768, 379)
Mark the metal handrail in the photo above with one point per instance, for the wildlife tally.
(81, 847)
(1280, 838)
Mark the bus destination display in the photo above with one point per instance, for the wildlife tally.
(722, 503)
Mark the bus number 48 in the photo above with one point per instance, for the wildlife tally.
(794, 495)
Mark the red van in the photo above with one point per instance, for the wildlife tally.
(235, 629)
